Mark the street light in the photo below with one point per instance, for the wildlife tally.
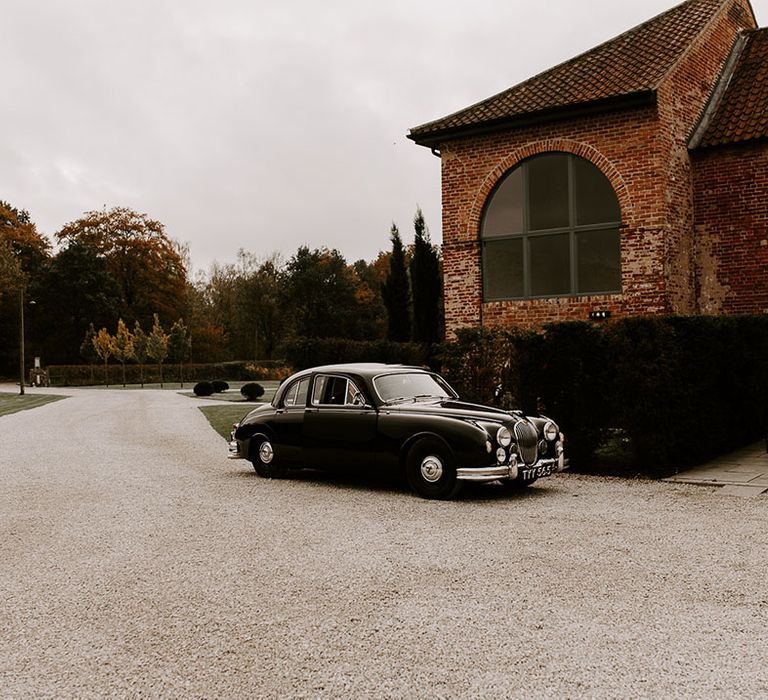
(22, 289)
(21, 339)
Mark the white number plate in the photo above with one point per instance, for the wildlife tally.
(537, 472)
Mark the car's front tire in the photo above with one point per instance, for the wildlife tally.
(264, 460)
(431, 470)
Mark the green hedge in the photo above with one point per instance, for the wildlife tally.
(677, 390)
(311, 352)
(82, 375)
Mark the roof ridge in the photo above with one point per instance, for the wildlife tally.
(738, 112)
(719, 89)
(715, 16)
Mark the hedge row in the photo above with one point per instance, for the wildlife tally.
(310, 352)
(81, 375)
(300, 353)
(677, 390)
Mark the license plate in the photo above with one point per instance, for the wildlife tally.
(537, 472)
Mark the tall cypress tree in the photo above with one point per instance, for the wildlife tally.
(425, 284)
(395, 292)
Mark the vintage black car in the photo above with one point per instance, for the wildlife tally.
(398, 418)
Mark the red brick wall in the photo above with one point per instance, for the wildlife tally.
(681, 100)
(731, 200)
(624, 147)
(644, 154)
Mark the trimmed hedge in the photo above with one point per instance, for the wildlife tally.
(252, 391)
(311, 352)
(82, 375)
(203, 389)
(679, 390)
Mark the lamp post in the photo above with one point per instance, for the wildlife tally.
(21, 339)
(22, 372)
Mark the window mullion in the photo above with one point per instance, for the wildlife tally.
(526, 222)
(572, 225)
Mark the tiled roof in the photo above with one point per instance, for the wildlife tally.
(634, 62)
(742, 114)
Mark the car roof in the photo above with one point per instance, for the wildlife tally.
(364, 369)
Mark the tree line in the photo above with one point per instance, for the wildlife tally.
(119, 269)
(137, 346)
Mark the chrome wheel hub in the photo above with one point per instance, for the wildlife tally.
(266, 453)
(431, 469)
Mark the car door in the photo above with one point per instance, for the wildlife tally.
(289, 417)
(339, 427)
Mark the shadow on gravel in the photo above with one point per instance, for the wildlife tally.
(373, 481)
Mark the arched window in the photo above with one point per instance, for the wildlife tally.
(551, 228)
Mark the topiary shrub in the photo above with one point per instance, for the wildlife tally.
(219, 385)
(203, 389)
(252, 391)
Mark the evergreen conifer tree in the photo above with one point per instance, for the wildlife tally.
(426, 285)
(396, 293)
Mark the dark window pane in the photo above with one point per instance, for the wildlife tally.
(548, 192)
(329, 390)
(504, 214)
(596, 202)
(599, 261)
(503, 269)
(550, 265)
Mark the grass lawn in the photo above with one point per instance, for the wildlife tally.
(230, 406)
(11, 403)
(223, 415)
(234, 395)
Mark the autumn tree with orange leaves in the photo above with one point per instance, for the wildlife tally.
(140, 256)
(23, 253)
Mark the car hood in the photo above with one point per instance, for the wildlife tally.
(453, 408)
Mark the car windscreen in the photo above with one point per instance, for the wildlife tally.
(405, 386)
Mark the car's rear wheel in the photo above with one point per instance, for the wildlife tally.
(264, 461)
(431, 471)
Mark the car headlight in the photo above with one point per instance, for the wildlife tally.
(501, 455)
(551, 431)
(504, 436)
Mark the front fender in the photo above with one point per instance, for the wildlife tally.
(246, 434)
(465, 440)
(413, 439)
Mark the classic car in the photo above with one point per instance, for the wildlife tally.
(398, 418)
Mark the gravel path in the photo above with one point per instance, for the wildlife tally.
(136, 560)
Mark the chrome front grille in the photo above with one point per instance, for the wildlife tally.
(527, 441)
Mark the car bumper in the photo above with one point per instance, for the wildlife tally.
(513, 471)
(237, 449)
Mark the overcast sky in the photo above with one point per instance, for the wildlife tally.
(263, 125)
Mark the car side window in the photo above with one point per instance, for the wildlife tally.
(336, 391)
(296, 395)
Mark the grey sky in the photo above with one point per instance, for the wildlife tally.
(263, 125)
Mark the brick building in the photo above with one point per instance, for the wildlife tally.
(631, 179)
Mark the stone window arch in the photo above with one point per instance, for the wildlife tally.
(550, 227)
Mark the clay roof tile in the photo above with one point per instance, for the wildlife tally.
(633, 63)
(742, 114)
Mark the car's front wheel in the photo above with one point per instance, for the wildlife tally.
(431, 470)
(264, 460)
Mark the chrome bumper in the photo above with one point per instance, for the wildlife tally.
(234, 450)
(512, 471)
(234, 446)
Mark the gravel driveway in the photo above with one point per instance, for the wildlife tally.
(136, 560)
